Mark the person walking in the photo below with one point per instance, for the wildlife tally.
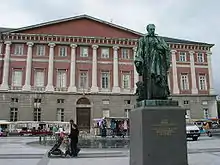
(74, 134)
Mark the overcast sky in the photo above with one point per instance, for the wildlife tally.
(186, 19)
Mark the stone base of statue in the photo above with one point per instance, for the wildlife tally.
(158, 133)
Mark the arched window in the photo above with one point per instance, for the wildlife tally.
(83, 100)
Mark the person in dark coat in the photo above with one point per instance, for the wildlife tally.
(74, 134)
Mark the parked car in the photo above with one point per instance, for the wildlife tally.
(192, 131)
(3, 134)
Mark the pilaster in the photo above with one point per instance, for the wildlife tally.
(209, 60)
(27, 85)
(4, 85)
(72, 87)
(50, 86)
(193, 73)
(175, 76)
(116, 88)
(94, 88)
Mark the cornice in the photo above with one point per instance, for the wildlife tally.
(86, 40)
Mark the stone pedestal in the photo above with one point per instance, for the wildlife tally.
(158, 134)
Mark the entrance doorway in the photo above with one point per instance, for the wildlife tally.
(83, 114)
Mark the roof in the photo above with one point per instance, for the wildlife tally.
(167, 39)
(2, 29)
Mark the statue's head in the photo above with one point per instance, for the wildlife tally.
(151, 29)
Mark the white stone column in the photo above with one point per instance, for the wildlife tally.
(50, 86)
(72, 87)
(209, 60)
(27, 85)
(175, 76)
(116, 88)
(4, 85)
(94, 88)
(136, 76)
(193, 73)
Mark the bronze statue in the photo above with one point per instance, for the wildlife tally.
(152, 62)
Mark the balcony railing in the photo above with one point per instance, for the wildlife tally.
(65, 89)
(15, 88)
(127, 91)
(60, 89)
(105, 90)
(83, 90)
(39, 89)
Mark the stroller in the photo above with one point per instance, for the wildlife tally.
(56, 151)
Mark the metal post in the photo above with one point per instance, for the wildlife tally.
(40, 139)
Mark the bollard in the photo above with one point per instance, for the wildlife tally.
(44, 140)
(40, 140)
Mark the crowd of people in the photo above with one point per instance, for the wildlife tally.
(113, 127)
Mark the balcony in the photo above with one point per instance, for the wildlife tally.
(15, 88)
(105, 90)
(84, 90)
(60, 89)
(127, 91)
(38, 89)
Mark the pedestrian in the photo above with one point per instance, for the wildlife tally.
(74, 134)
(113, 127)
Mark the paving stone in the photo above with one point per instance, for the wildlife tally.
(206, 151)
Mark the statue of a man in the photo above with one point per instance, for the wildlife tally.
(152, 62)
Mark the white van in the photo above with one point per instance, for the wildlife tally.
(192, 131)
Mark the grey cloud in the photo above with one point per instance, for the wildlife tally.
(194, 20)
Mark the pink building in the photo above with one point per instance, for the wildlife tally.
(82, 68)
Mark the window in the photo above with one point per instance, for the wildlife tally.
(16, 78)
(184, 82)
(14, 100)
(105, 101)
(125, 53)
(39, 78)
(60, 114)
(13, 114)
(84, 52)
(182, 56)
(60, 101)
(202, 82)
(62, 51)
(19, 49)
(61, 78)
(200, 57)
(105, 80)
(40, 50)
(204, 102)
(206, 113)
(186, 102)
(105, 113)
(105, 52)
(126, 80)
(37, 114)
(37, 100)
(188, 115)
(127, 102)
(127, 112)
(83, 80)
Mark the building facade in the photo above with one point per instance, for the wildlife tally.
(82, 68)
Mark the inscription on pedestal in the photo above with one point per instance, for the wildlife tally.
(164, 128)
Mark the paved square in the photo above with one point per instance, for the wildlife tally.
(15, 151)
